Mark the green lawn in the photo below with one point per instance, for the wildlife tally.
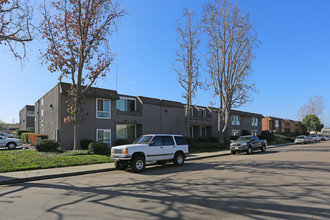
(29, 159)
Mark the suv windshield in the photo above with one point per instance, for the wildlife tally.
(143, 140)
(240, 139)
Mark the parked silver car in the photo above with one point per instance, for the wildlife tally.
(302, 139)
(8, 135)
(316, 138)
(10, 143)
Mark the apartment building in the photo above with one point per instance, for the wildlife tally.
(27, 118)
(280, 125)
(108, 116)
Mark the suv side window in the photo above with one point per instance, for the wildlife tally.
(157, 141)
(168, 140)
(180, 140)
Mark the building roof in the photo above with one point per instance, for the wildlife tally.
(282, 119)
(160, 102)
(246, 113)
(92, 91)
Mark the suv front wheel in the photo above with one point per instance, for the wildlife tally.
(138, 164)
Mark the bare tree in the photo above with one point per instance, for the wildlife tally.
(232, 41)
(314, 106)
(78, 47)
(15, 25)
(188, 59)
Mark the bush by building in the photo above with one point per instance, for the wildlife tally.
(84, 143)
(98, 148)
(47, 145)
(121, 142)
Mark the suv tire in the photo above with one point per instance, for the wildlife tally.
(249, 150)
(178, 159)
(138, 164)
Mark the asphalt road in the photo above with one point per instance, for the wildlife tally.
(290, 182)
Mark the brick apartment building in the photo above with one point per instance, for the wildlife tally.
(280, 125)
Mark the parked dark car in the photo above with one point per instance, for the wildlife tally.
(248, 144)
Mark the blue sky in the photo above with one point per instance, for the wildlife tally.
(292, 62)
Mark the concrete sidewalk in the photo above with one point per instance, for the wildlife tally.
(32, 175)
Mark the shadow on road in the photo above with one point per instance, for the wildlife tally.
(242, 188)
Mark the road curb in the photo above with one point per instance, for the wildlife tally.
(53, 176)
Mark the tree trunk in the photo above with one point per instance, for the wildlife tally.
(76, 135)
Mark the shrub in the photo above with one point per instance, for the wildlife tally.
(201, 139)
(47, 145)
(267, 136)
(245, 132)
(213, 139)
(234, 138)
(20, 132)
(32, 137)
(189, 140)
(121, 142)
(98, 148)
(84, 143)
(24, 137)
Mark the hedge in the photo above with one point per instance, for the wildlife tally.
(20, 132)
(84, 143)
(98, 148)
(24, 137)
(121, 142)
(47, 145)
(32, 138)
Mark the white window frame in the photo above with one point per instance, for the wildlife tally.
(104, 130)
(127, 98)
(254, 132)
(203, 110)
(235, 132)
(277, 123)
(254, 121)
(97, 100)
(235, 120)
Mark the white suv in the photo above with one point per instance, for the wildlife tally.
(150, 147)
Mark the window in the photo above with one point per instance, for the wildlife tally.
(157, 141)
(126, 131)
(168, 140)
(254, 132)
(203, 131)
(104, 136)
(235, 120)
(254, 121)
(277, 124)
(203, 112)
(126, 104)
(103, 108)
(235, 132)
(180, 140)
(30, 113)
